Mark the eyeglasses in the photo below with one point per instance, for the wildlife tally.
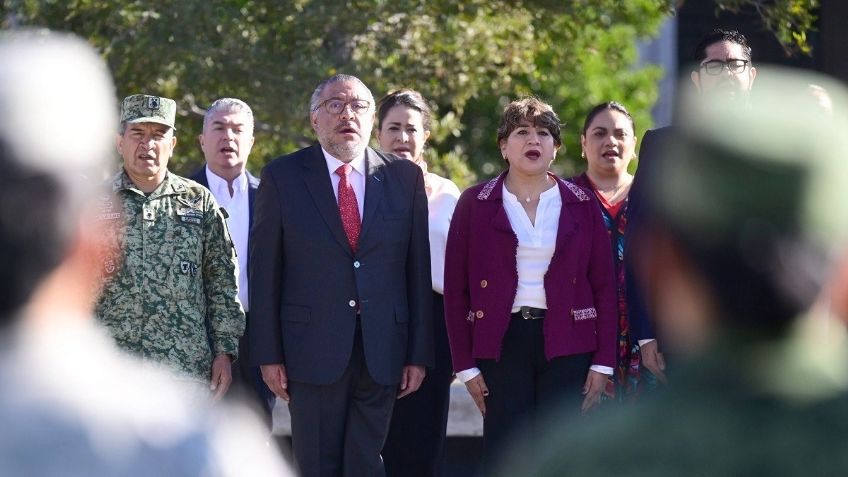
(715, 67)
(336, 106)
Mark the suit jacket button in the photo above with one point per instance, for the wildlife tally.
(356, 264)
(479, 314)
(352, 303)
(483, 283)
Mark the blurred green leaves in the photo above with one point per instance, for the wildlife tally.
(468, 58)
(788, 20)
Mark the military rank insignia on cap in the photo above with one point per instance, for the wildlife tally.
(143, 108)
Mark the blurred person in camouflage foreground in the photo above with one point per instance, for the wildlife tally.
(748, 274)
(170, 289)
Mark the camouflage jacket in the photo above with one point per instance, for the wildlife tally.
(169, 291)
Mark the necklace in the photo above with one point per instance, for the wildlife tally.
(610, 195)
(528, 198)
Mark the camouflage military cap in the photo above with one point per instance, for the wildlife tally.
(143, 108)
(768, 163)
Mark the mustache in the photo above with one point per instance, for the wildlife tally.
(346, 126)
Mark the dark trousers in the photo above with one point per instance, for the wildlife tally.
(248, 387)
(524, 385)
(339, 429)
(415, 445)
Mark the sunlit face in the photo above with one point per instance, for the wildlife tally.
(402, 133)
(227, 140)
(529, 149)
(344, 135)
(609, 143)
(726, 82)
(146, 149)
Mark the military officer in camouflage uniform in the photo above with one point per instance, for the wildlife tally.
(170, 292)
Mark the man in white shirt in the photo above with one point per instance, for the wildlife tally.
(226, 141)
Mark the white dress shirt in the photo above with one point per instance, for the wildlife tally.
(356, 178)
(536, 245)
(238, 209)
(442, 195)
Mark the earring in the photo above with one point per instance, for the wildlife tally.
(583, 154)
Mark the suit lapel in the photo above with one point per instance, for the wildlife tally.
(252, 185)
(200, 177)
(374, 178)
(320, 187)
(494, 195)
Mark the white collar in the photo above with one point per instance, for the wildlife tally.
(218, 183)
(358, 163)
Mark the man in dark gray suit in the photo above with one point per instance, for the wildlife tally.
(340, 307)
(226, 142)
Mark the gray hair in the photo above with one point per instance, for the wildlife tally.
(315, 100)
(230, 105)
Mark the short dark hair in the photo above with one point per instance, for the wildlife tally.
(719, 35)
(613, 105)
(533, 109)
(404, 97)
(35, 231)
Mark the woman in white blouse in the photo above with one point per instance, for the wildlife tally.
(530, 299)
(416, 440)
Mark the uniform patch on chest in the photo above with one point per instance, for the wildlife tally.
(190, 216)
(109, 266)
(106, 209)
(188, 268)
(189, 210)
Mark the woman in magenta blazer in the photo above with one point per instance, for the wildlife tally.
(529, 285)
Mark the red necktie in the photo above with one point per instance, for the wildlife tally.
(348, 208)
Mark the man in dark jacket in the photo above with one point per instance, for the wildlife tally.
(723, 70)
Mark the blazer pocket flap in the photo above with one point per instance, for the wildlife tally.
(295, 313)
(584, 314)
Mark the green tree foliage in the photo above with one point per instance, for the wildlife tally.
(469, 58)
(789, 20)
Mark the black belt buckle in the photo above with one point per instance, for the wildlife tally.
(530, 313)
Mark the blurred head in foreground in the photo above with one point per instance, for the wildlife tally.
(57, 116)
(72, 404)
(743, 232)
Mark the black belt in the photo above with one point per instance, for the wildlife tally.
(529, 313)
